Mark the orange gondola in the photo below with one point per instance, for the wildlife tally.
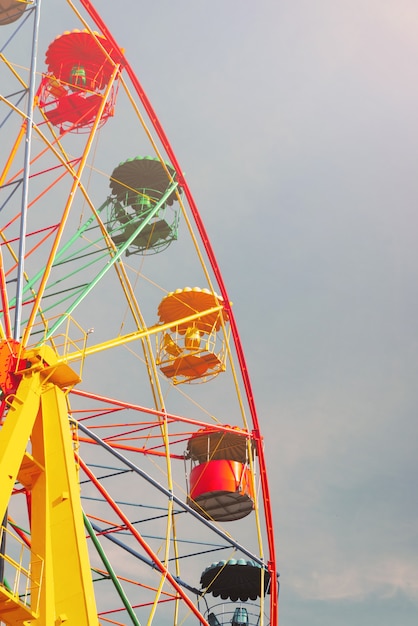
(192, 349)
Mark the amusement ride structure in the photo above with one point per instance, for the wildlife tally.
(133, 482)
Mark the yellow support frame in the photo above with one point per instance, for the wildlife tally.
(38, 413)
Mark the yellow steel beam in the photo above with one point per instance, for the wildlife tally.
(15, 433)
(38, 412)
(57, 528)
(134, 336)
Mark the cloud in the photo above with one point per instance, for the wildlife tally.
(384, 578)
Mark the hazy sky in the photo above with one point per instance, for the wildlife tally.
(295, 124)
(304, 114)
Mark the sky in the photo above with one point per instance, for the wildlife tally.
(295, 124)
(304, 113)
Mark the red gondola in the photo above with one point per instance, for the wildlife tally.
(79, 67)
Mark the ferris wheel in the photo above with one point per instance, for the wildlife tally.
(133, 482)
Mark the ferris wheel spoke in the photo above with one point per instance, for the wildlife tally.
(159, 564)
(110, 571)
(170, 495)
